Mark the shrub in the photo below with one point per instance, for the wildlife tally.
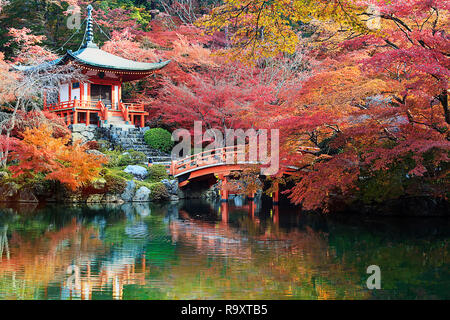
(113, 158)
(118, 171)
(132, 157)
(92, 145)
(104, 145)
(159, 139)
(115, 184)
(157, 172)
(159, 192)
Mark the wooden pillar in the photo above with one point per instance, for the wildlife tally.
(275, 194)
(75, 117)
(224, 191)
(142, 121)
(69, 122)
(88, 116)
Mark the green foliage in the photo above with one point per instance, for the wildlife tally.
(159, 192)
(118, 171)
(117, 158)
(382, 186)
(159, 139)
(132, 157)
(113, 158)
(115, 184)
(157, 173)
(103, 145)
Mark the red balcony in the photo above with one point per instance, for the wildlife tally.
(81, 111)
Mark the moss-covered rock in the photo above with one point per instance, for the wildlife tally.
(159, 192)
(156, 173)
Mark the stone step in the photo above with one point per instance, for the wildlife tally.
(129, 137)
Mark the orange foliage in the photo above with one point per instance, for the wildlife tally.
(41, 153)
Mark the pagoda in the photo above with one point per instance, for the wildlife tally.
(98, 100)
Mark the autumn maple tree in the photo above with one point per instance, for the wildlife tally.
(377, 108)
(39, 153)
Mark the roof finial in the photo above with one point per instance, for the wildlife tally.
(89, 29)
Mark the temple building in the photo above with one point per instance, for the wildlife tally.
(98, 101)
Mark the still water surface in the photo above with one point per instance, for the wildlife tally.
(200, 250)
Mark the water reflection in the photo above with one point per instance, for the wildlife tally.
(200, 250)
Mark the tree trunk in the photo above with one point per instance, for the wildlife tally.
(443, 98)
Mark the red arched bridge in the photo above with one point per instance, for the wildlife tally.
(221, 163)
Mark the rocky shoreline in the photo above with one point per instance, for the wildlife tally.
(102, 190)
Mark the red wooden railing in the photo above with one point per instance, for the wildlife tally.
(124, 109)
(103, 110)
(134, 106)
(225, 156)
(79, 104)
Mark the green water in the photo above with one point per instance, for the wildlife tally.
(199, 250)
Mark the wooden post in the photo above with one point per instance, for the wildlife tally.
(224, 191)
(68, 118)
(88, 116)
(275, 194)
(75, 117)
(142, 121)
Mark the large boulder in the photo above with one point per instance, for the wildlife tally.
(112, 198)
(128, 194)
(4, 175)
(142, 195)
(171, 186)
(73, 198)
(137, 171)
(78, 136)
(89, 136)
(95, 153)
(95, 198)
(8, 191)
(99, 184)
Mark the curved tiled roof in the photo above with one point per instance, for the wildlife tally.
(95, 57)
(91, 55)
(98, 58)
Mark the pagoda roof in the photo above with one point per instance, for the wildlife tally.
(92, 57)
(95, 57)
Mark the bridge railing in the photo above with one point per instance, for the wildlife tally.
(226, 155)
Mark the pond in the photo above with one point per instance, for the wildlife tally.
(202, 250)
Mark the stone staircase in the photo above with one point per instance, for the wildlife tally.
(117, 122)
(129, 137)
